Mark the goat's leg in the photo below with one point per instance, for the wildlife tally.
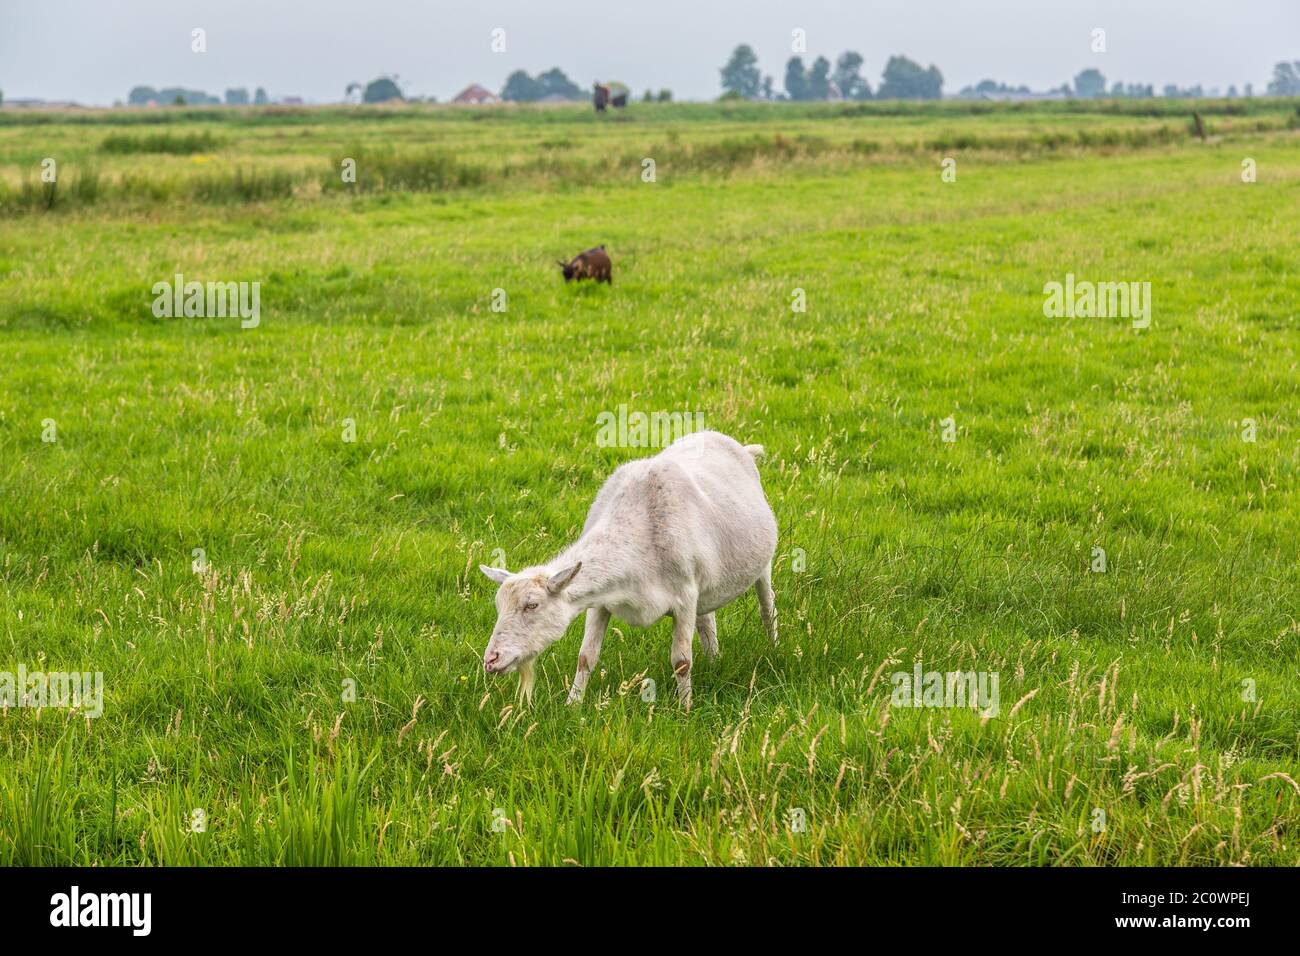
(767, 602)
(589, 655)
(683, 634)
(706, 625)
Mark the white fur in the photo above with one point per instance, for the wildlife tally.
(681, 533)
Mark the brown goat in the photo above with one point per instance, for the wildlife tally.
(592, 264)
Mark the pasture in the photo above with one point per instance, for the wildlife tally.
(266, 539)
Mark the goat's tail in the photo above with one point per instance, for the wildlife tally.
(756, 452)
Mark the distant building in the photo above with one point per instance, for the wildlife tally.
(1011, 96)
(36, 104)
(290, 101)
(475, 95)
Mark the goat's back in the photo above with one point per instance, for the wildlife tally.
(697, 512)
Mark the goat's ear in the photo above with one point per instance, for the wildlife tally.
(498, 575)
(558, 581)
(562, 265)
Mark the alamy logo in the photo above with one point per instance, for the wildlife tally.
(74, 908)
(1099, 300)
(39, 689)
(977, 690)
(215, 300)
(639, 430)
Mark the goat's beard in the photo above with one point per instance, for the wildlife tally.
(527, 678)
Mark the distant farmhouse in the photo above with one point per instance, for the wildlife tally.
(475, 95)
(38, 104)
(993, 92)
(1018, 97)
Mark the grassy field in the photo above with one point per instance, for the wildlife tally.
(1150, 713)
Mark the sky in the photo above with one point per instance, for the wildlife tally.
(94, 51)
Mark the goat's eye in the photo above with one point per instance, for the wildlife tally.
(530, 606)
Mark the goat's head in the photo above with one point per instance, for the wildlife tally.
(533, 612)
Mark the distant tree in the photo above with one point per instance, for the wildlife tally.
(819, 79)
(904, 79)
(261, 99)
(521, 88)
(665, 96)
(1232, 92)
(237, 97)
(554, 82)
(848, 77)
(740, 74)
(768, 92)
(1249, 89)
(381, 91)
(649, 97)
(178, 95)
(1090, 84)
(1286, 79)
(140, 95)
(796, 79)
(992, 87)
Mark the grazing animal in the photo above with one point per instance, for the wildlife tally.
(592, 264)
(681, 533)
(603, 95)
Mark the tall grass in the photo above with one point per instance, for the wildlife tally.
(243, 184)
(393, 170)
(821, 138)
(39, 804)
(177, 144)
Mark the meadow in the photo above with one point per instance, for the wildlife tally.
(266, 539)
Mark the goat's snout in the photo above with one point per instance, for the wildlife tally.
(490, 659)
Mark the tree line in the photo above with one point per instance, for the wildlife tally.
(904, 79)
(901, 79)
(175, 95)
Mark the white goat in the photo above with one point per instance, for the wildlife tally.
(682, 534)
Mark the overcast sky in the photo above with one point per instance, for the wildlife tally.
(94, 51)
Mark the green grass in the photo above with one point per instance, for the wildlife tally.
(182, 145)
(331, 561)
